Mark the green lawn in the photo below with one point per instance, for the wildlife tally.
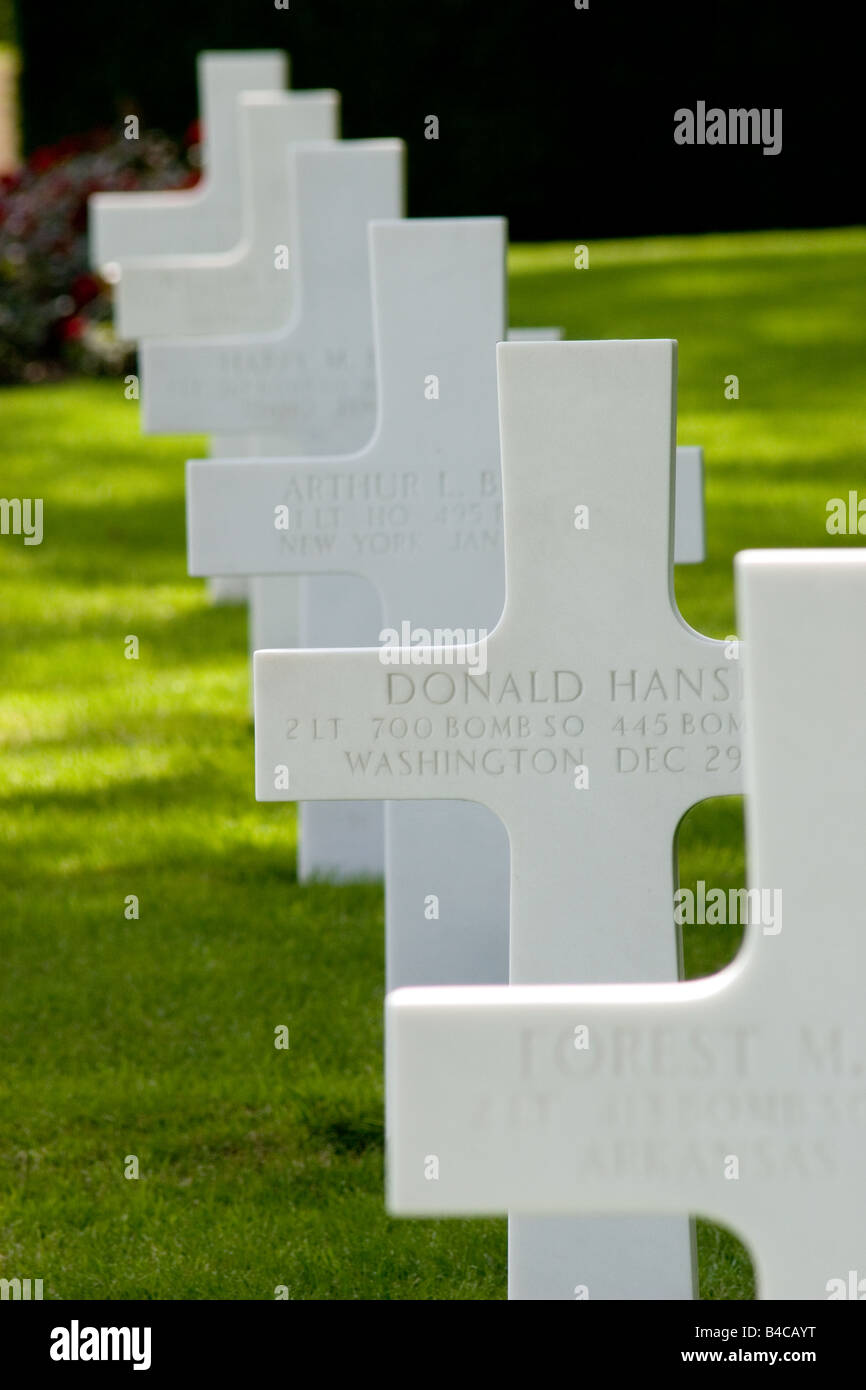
(154, 1037)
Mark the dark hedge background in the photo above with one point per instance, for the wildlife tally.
(560, 119)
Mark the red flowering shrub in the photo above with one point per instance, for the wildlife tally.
(55, 313)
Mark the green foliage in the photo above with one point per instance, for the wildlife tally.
(154, 1037)
(54, 311)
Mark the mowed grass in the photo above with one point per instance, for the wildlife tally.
(154, 1037)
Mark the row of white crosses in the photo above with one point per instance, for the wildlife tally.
(416, 514)
(304, 387)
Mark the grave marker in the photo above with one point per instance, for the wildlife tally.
(287, 383)
(591, 668)
(247, 287)
(739, 1096)
(439, 305)
(204, 218)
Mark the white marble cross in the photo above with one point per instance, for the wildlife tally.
(740, 1096)
(439, 305)
(310, 382)
(247, 287)
(590, 674)
(205, 218)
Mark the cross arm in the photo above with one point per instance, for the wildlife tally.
(545, 1099)
(331, 725)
